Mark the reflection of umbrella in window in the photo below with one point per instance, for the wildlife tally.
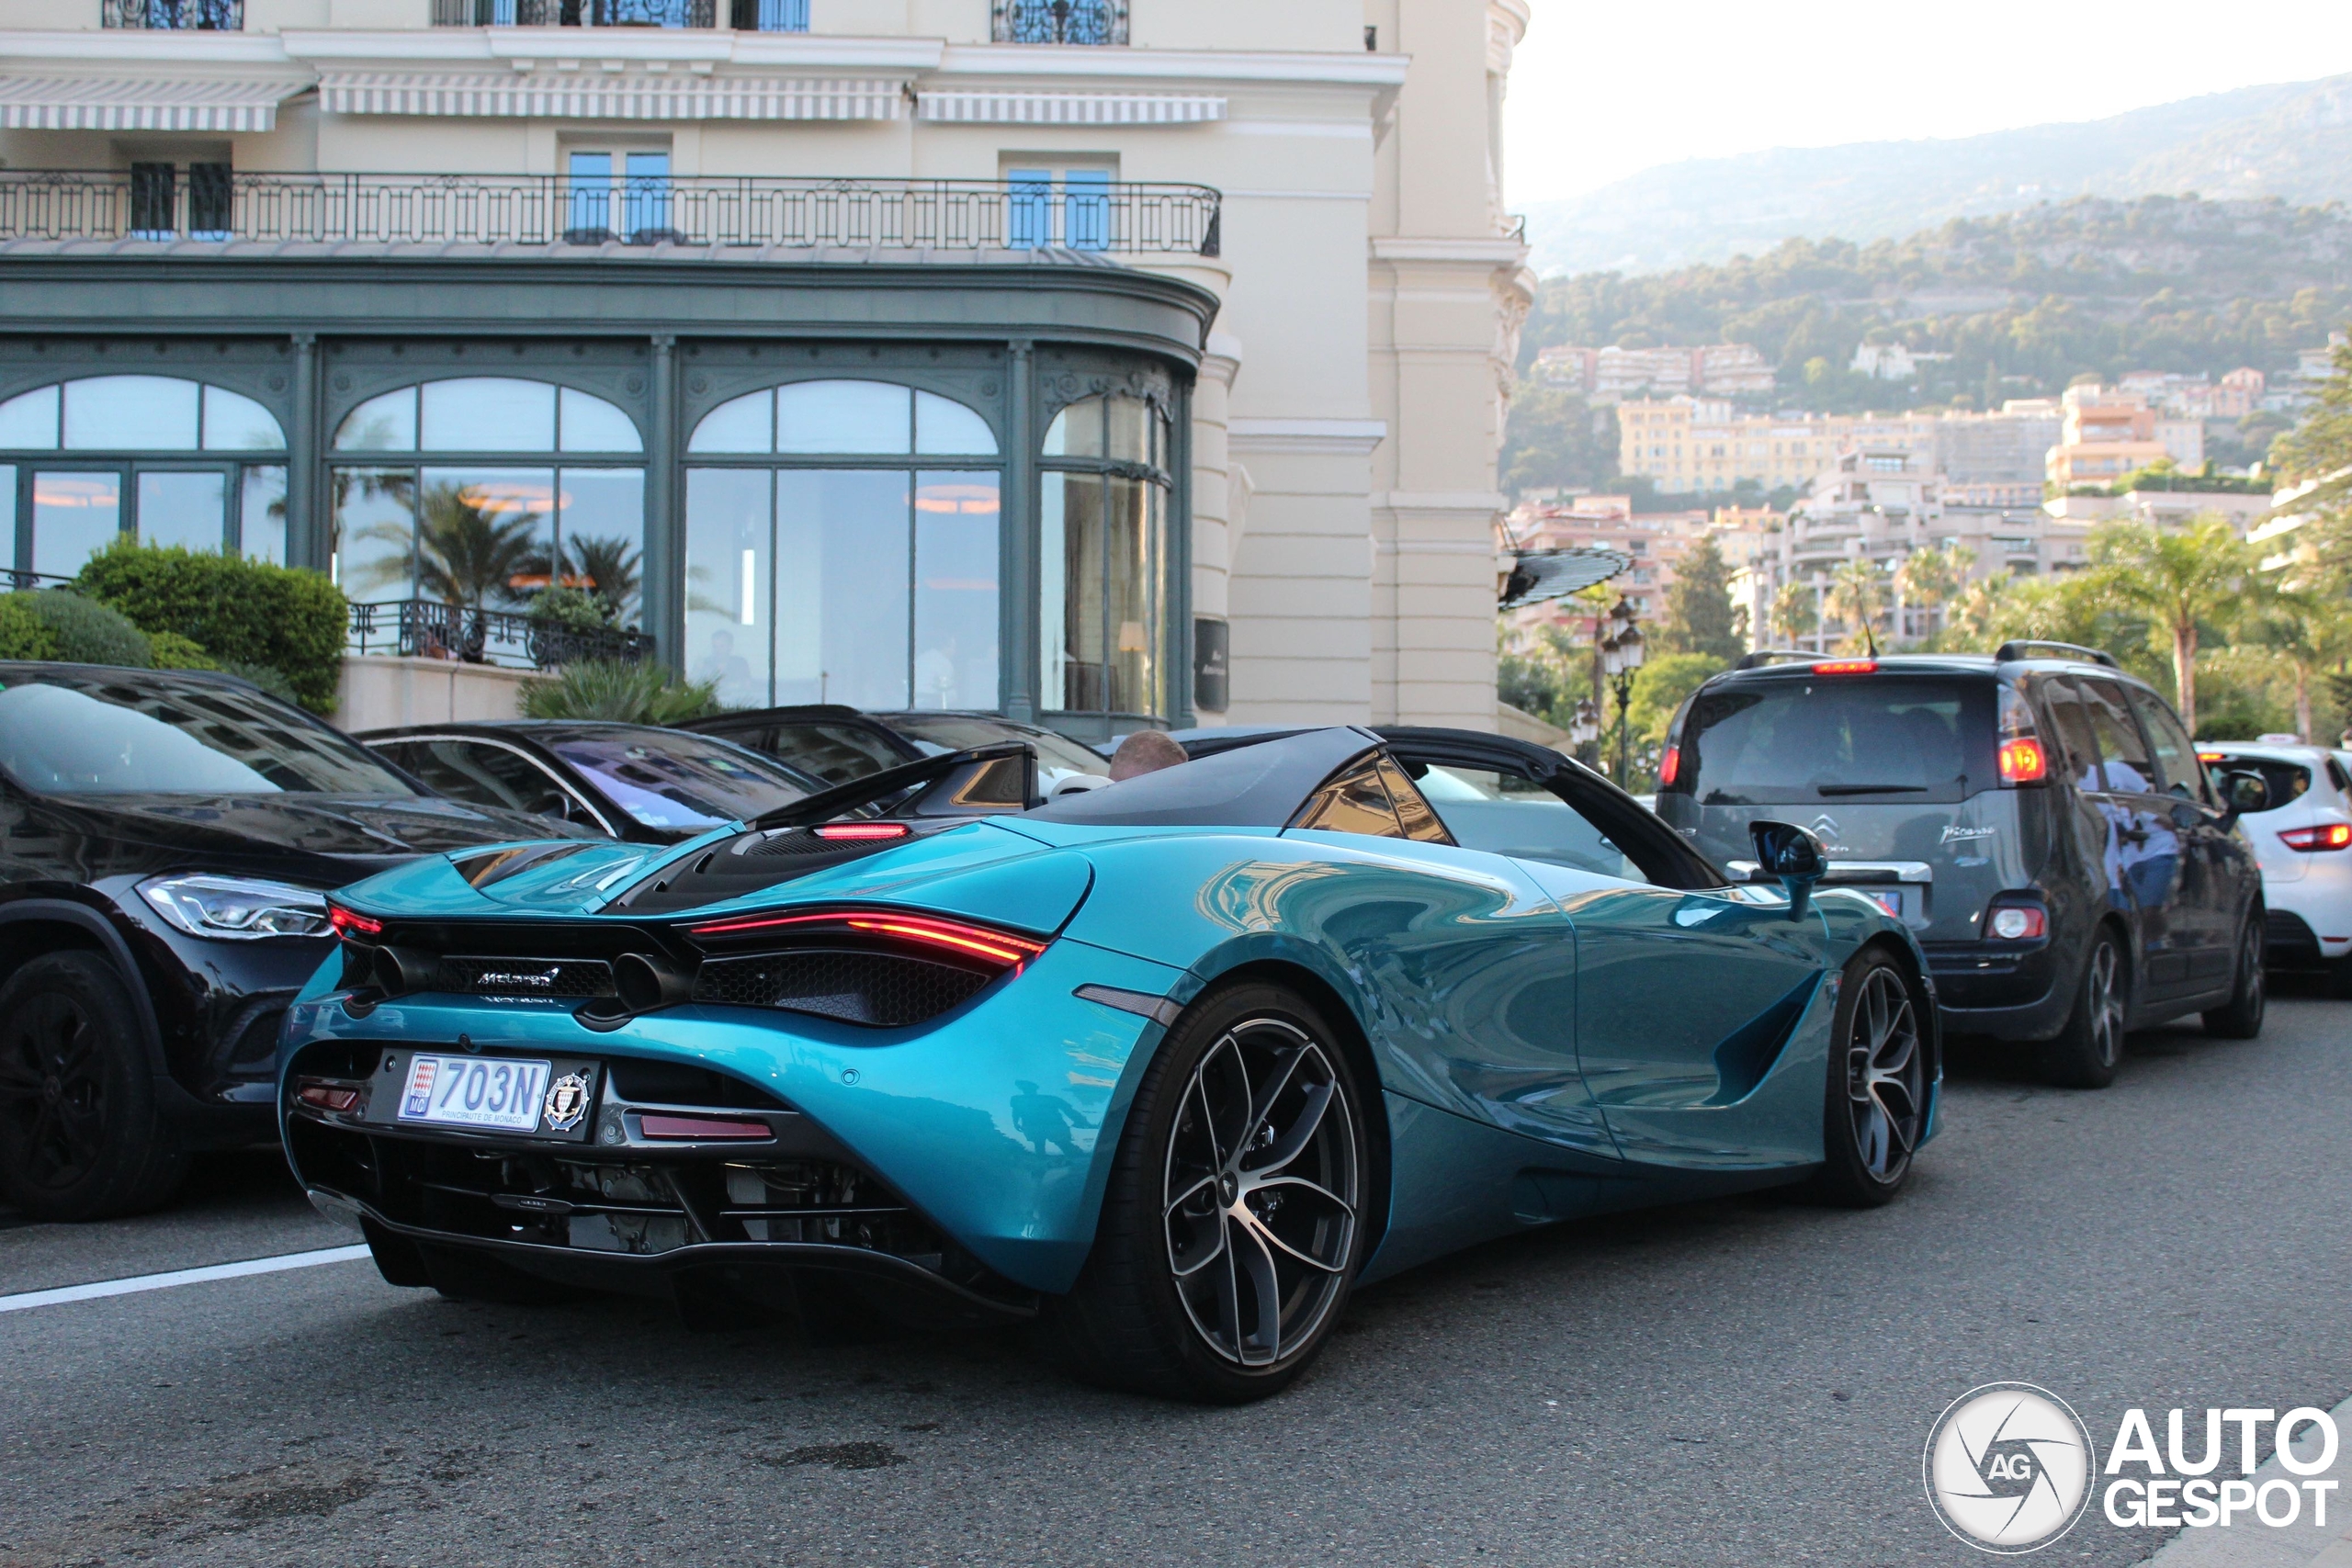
(474, 541)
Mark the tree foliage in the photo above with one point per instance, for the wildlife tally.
(244, 614)
(625, 692)
(1699, 613)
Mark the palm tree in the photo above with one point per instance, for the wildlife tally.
(607, 568)
(2199, 575)
(1983, 606)
(2307, 631)
(1795, 613)
(1856, 594)
(467, 553)
(1930, 578)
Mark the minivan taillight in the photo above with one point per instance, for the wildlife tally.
(1847, 667)
(1669, 765)
(2023, 761)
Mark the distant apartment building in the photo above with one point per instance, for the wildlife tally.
(1610, 375)
(1686, 444)
(2107, 433)
(2237, 394)
(1891, 361)
(1880, 503)
(1997, 460)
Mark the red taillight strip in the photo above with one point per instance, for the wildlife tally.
(856, 831)
(981, 941)
(348, 921)
(1847, 667)
(651, 1124)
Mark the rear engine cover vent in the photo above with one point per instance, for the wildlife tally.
(885, 990)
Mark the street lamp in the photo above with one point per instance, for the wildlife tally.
(1584, 726)
(1621, 656)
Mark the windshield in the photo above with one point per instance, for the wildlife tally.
(1892, 740)
(108, 735)
(673, 778)
(1058, 757)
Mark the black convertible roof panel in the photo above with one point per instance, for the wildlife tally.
(1251, 786)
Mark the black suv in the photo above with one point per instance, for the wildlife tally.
(166, 840)
(2038, 819)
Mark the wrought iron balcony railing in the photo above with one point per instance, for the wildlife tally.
(175, 16)
(210, 202)
(426, 628)
(1059, 21)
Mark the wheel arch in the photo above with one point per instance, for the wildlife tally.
(31, 928)
(1356, 1046)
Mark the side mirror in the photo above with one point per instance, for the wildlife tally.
(1786, 852)
(2244, 792)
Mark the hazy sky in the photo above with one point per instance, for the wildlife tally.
(1601, 91)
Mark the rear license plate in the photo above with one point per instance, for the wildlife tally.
(474, 1092)
(1889, 902)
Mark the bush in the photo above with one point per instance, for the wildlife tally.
(173, 651)
(268, 680)
(629, 693)
(86, 631)
(24, 634)
(240, 612)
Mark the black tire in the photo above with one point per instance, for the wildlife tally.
(464, 1275)
(82, 1136)
(1134, 1321)
(2087, 1051)
(1875, 1101)
(2339, 979)
(2240, 1017)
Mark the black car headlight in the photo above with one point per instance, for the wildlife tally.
(237, 909)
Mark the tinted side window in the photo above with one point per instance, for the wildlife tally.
(2175, 758)
(2070, 723)
(1355, 802)
(1413, 812)
(2124, 755)
(1505, 813)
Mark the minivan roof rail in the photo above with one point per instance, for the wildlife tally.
(1763, 655)
(2018, 649)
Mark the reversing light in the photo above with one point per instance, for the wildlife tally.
(708, 1128)
(326, 1096)
(862, 831)
(346, 922)
(1669, 765)
(2019, 922)
(2327, 836)
(2023, 761)
(1847, 667)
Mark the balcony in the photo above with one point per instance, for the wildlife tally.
(211, 204)
(175, 16)
(1059, 21)
(743, 16)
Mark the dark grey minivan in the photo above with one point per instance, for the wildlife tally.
(2038, 819)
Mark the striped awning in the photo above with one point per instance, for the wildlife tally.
(1070, 108)
(81, 103)
(546, 94)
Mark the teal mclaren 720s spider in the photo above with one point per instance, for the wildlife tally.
(1170, 1065)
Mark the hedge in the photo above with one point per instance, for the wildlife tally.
(241, 613)
(83, 631)
(24, 634)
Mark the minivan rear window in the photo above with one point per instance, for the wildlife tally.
(1894, 739)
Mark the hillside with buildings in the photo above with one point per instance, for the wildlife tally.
(2290, 141)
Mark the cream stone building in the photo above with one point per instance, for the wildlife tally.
(1107, 362)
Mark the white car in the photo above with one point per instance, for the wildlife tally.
(2304, 846)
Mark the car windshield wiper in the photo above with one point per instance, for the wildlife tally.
(1870, 789)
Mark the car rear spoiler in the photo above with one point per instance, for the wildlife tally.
(1764, 656)
(980, 780)
(2021, 648)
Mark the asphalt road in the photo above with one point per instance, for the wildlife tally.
(1742, 1384)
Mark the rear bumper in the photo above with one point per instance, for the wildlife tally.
(2008, 993)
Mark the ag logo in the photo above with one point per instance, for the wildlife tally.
(2008, 1468)
(567, 1102)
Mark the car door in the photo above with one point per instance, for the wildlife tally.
(1685, 995)
(1474, 964)
(2143, 847)
(2212, 895)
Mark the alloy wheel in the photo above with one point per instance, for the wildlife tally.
(2103, 995)
(2250, 965)
(1884, 1075)
(52, 1091)
(1260, 1192)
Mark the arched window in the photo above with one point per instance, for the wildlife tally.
(487, 491)
(171, 461)
(841, 545)
(1102, 580)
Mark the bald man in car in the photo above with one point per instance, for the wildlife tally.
(1145, 751)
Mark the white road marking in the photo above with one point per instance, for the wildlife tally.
(138, 1282)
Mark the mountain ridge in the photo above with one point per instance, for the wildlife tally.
(2289, 140)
